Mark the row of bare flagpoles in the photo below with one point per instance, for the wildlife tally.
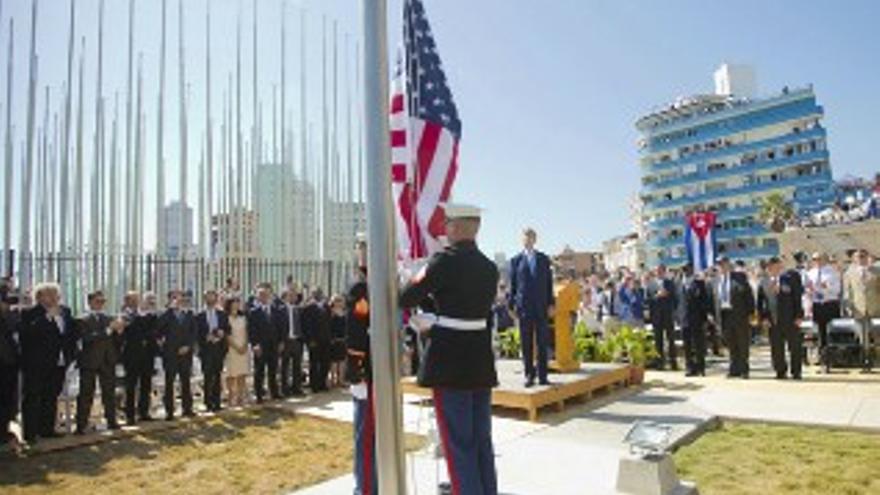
(86, 241)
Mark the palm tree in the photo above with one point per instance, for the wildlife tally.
(775, 211)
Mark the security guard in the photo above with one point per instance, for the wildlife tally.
(458, 362)
(359, 375)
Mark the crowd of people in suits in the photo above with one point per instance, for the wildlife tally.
(264, 335)
(729, 304)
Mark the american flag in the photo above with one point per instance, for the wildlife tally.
(425, 132)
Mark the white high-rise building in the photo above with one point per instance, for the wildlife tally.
(177, 229)
(344, 220)
(285, 206)
(736, 80)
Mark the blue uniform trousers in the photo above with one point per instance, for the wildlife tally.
(365, 446)
(534, 331)
(464, 418)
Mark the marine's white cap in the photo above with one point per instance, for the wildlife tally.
(461, 211)
(360, 238)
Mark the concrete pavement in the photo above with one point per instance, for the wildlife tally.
(577, 451)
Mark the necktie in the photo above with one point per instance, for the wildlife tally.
(290, 321)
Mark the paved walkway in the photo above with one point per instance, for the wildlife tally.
(577, 451)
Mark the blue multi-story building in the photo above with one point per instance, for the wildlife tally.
(723, 152)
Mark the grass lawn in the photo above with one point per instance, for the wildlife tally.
(257, 451)
(748, 459)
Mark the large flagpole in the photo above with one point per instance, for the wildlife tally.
(384, 345)
(7, 204)
(209, 138)
(25, 213)
(160, 142)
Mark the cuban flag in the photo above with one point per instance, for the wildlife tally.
(699, 240)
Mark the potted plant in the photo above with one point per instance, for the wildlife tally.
(636, 347)
(509, 343)
(774, 211)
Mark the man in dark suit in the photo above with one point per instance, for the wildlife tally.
(178, 334)
(264, 337)
(532, 299)
(100, 340)
(662, 301)
(48, 345)
(138, 353)
(734, 305)
(9, 363)
(780, 302)
(697, 306)
(316, 328)
(289, 322)
(213, 330)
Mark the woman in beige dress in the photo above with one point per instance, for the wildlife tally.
(237, 362)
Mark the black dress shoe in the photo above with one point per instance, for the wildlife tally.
(530, 382)
(113, 426)
(780, 376)
(189, 414)
(79, 432)
(147, 418)
(169, 417)
(546, 383)
(797, 377)
(298, 393)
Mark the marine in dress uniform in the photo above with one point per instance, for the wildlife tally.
(359, 375)
(458, 363)
(100, 339)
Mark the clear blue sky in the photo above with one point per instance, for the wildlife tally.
(548, 91)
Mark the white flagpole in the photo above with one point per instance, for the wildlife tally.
(325, 143)
(182, 88)
(129, 161)
(25, 213)
(209, 126)
(384, 323)
(64, 207)
(160, 157)
(7, 204)
(113, 239)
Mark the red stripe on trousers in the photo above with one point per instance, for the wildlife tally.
(444, 437)
(370, 440)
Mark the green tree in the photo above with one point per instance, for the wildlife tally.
(774, 211)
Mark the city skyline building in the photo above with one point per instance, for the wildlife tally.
(725, 153)
(177, 229)
(235, 234)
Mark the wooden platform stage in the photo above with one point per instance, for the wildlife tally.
(512, 393)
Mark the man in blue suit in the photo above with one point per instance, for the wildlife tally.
(531, 298)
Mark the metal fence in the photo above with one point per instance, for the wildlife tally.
(78, 274)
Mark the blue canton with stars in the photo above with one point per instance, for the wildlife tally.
(430, 97)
